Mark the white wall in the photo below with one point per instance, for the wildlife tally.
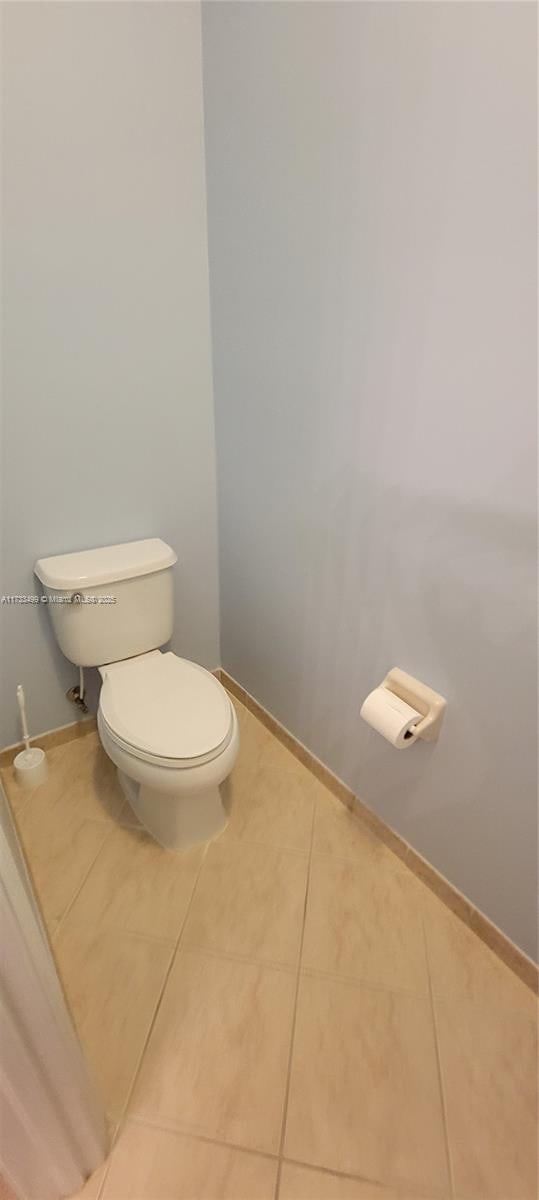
(371, 176)
(108, 418)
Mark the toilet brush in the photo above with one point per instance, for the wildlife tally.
(30, 765)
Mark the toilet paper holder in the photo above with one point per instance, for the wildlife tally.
(427, 702)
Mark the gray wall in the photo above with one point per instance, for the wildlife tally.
(371, 174)
(108, 417)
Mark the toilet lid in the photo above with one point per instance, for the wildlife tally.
(166, 706)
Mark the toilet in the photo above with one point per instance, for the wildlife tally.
(166, 723)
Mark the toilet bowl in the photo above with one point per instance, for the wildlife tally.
(167, 723)
(172, 732)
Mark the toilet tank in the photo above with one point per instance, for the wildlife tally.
(110, 603)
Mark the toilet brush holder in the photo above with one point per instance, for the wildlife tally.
(30, 767)
(30, 764)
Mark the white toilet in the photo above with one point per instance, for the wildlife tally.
(166, 723)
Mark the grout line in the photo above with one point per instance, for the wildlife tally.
(106, 1162)
(168, 1125)
(112, 1130)
(294, 1016)
(419, 1192)
(60, 920)
(165, 1125)
(123, 1113)
(177, 1129)
(371, 984)
(215, 952)
(438, 1059)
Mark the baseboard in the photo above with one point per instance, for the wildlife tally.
(494, 938)
(55, 737)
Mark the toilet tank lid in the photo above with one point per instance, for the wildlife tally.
(106, 564)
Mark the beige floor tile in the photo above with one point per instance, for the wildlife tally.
(249, 900)
(15, 794)
(63, 824)
(305, 1183)
(259, 745)
(46, 793)
(137, 886)
(489, 1070)
(364, 920)
(82, 782)
(52, 926)
(128, 817)
(91, 1190)
(217, 1058)
(92, 1187)
(112, 982)
(94, 787)
(275, 754)
(462, 965)
(270, 806)
(364, 1094)
(340, 834)
(101, 797)
(161, 1165)
(254, 736)
(59, 856)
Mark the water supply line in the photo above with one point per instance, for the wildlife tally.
(76, 694)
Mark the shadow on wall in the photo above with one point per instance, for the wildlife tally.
(374, 599)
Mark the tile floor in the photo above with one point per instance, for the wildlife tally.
(287, 1012)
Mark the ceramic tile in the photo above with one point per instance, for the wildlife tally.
(15, 794)
(305, 1183)
(488, 1058)
(275, 754)
(58, 768)
(59, 856)
(63, 823)
(88, 781)
(250, 901)
(364, 920)
(52, 927)
(462, 965)
(112, 982)
(301, 755)
(364, 1095)
(217, 1059)
(92, 1188)
(128, 817)
(340, 834)
(253, 735)
(136, 885)
(269, 806)
(20, 797)
(364, 1092)
(161, 1165)
(82, 783)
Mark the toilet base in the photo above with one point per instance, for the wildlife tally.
(176, 822)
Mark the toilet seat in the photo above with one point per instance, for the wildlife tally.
(165, 710)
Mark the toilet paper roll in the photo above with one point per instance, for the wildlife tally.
(391, 717)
